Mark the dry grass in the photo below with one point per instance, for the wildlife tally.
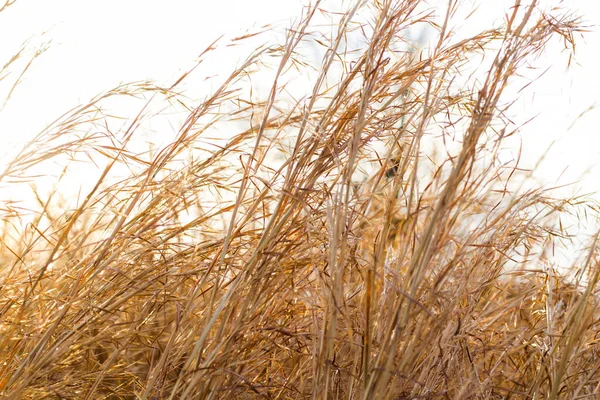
(359, 242)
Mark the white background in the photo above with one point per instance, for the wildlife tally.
(95, 45)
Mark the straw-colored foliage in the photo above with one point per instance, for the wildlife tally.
(353, 236)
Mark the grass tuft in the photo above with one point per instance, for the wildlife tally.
(351, 232)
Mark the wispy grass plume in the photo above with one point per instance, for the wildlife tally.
(351, 232)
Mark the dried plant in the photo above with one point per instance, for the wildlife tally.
(358, 240)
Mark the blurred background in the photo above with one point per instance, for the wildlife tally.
(90, 47)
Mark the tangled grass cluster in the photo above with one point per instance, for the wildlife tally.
(361, 240)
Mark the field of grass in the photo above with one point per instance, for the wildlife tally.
(357, 236)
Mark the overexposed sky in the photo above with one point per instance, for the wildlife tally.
(94, 46)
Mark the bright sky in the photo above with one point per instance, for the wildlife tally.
(96, 45)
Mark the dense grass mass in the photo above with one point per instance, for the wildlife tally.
(353, 236)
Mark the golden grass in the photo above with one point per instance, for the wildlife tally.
(359, 242)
